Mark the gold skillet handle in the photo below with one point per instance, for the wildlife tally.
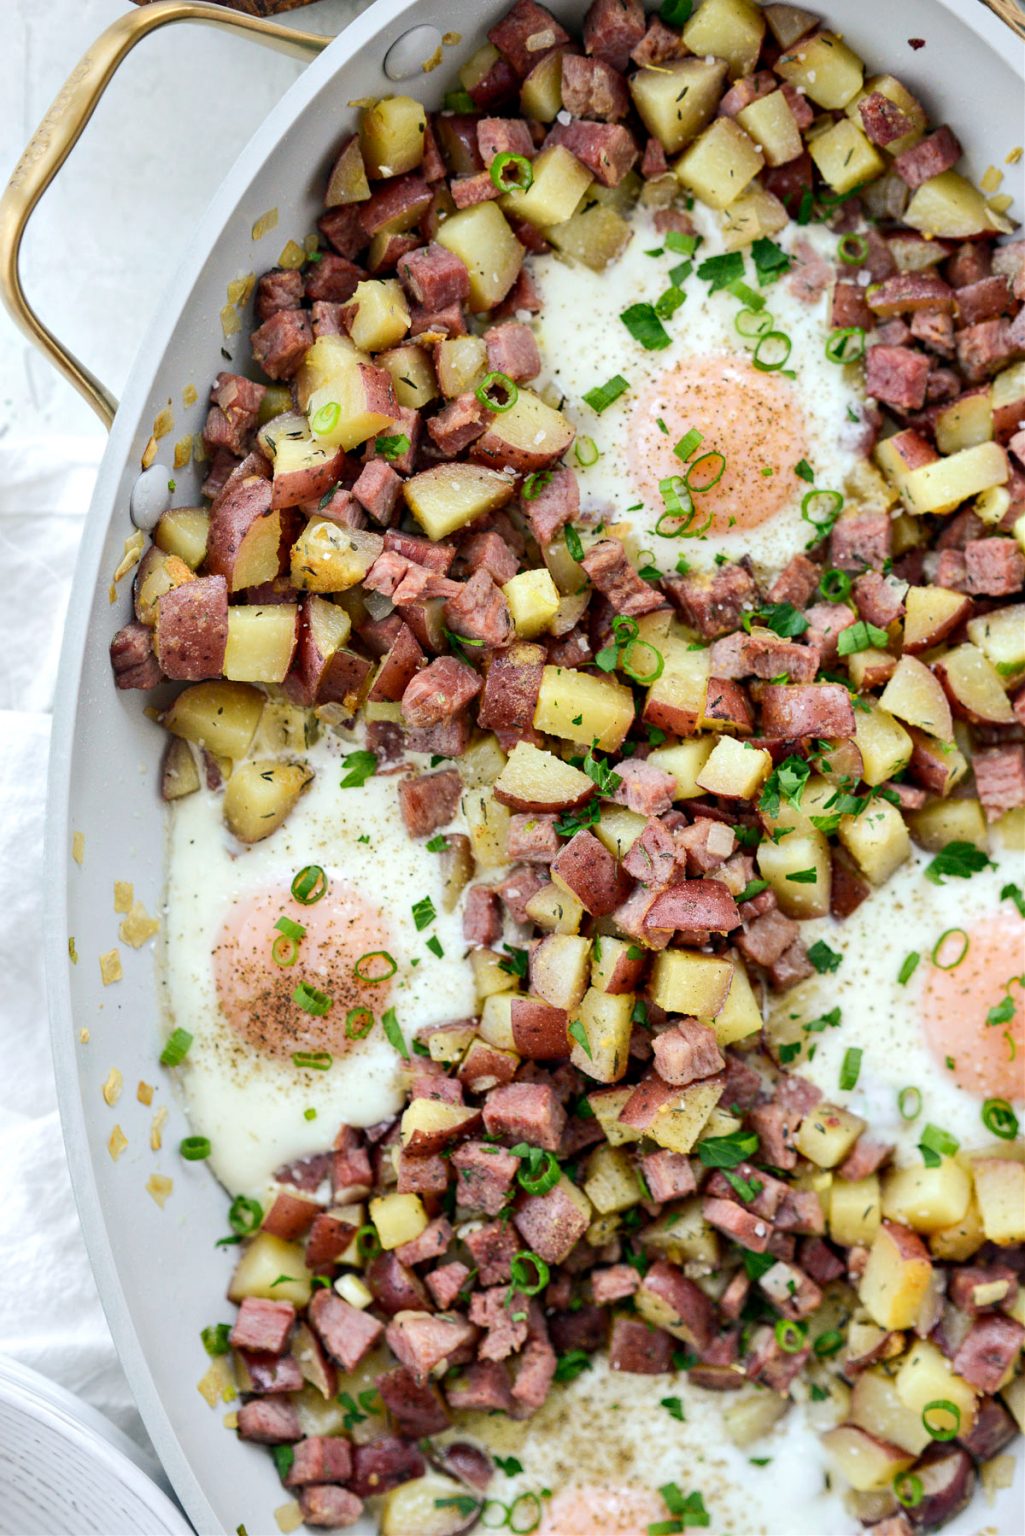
(60, 131)
(1011, 13)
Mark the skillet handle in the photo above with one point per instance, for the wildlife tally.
(62, 127)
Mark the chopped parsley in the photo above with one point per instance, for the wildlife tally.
(958, 860)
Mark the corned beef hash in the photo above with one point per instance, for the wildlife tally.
(594, 931)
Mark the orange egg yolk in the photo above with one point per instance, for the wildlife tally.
(753, 419)
(601, 1512)
(255, 991)
(986, 1060)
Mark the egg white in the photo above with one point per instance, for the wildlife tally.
(583, 343)
(250, 1106)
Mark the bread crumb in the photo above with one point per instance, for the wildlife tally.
(289, 1517)
(112, 1087)
(78, 847)
(110, 967)
(117, 1142)
(156, 1130)
(144, 1093)
(124, 895)
(138, 926)
(159, 1186)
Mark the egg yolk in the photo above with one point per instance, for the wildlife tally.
(255, 991)
(752, 418)
(601, 1512)
(986, 1060)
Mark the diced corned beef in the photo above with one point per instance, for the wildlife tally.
(333, 279)
(687, 1052)
(638, 1348)
(810, 709)
(610, 571)
(268, 1375)
(385, 1463)
(422, 1175)
(511, 689)
(584, 1328)
(441, 690)
(512, 350)
(976, 1288)
(528, 1112)
(490, 1310)
(280, 343)
(398, 203)
(659, 44)
(880, 599)
(478, 612)
(882, 119)
(432, 1241)
(935, 331)
(593, 89)
(984, 348)
(931, 156)
(985, 300)
(320, 1459)
(458, 424)
(1000, 778)
(652, 857)
(488, 551)
(669, 1175)
(192, 623)
(551, 1225)
(990, 1348)
(485, 1174)
(482, 920)
(418, 1408)
(865, 1158)
(343, 228)
(769, 1195)
(421, 1341)
(994, 567)
(327, 319)
(269, 1421)
(556, 503)
(534, 1368)
(897, 376)
(993, 1430)
(532, 838)
(429, 801)
(743, 1085)
(819, 1260)
(263, 1325)
(434, 277)
(347, 1333)
(131, 657)
(789, 1289)
(796, 583)
(585, 866)
(765, 655)
(653, 161)
(909, 292)
(744, 91)
(236, 403)
(504, 136)
(518, 888)
(482, 1386)
(810, 274)
(607, 149)
(613, 29)
(614, 1284)
(792, 966)
(421, 551)
(713, 606)
(281, 288)
(970, 263)
(704, 905)
(774, 1127)
(468, 191)
(492, 1249)
(643, 788)
(446, 1282)
(378, 488)
(525, 32)
(289, 1217)
(768, 1362)
(438, 323)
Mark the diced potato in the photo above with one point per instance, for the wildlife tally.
(727, 29)
(884, 744)
(560, 181)
(912, 108)
(610, 1180)
(581, 708)
(461, 361)
(974, 686)
(683, 981)
(950, 208)
(771, 124)
(482, 239)
(329, 558)
(183, 531)
(348, 180)
(596, 236)
(533, 600)
(789, 22)
(328, 356)
(1000, 1191)
(855, 1210)
(949, 821)
(482, 762)
(956, 1243)
(398, 1219)
(560, 967)
(615, 965)
(829, 73)
(261, 795)
(263, 1261)
(682, 1234)
(555, 910)
(720, 163)
(925, 1377)
(685, 762)
(451, 495)
(450, 1042)
(876, 1407)
(927, 1199)
(675, 101)
(619, 829)
(931, 613)
(679, 1123)
(741, 1014)
(222, 717)
(1000, 636)
(945, 484)
(746, 1419)
(606, 1021)
(676, 700)
(260, 643)
(179, 774)
(525, 436)
(382, 314)
(735, 769)
(827, 1134)
(845, 157)
(870, 668)
(541, 91)
(799, 871)
(533, 779)
(965, 422)
(1014, 1396)
(432, 1505)
(865, 1461)
(607, 1105)
(391, 136)
(496, 1021)
(896, 1278)
(877, 840)
(916, 696)
(487, 822)
(488, 975)
(756, 214)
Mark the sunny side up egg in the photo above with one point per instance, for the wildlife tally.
(244, 1089)
(763, 423)
(953, 1029)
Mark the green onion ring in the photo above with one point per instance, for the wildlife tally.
(522, 181)
(790, 1336)
(835, 586)
(540, 1183)
(852, 250)
(908, 1489)
(375, 954)
(1000, 1119)
(834, 502)
(779, 338)
(585, 451)
(836, 345)
(316, 1061)
(309, 885)
(195, 1149)
(520, 1279)
(699, 490)
(939, 942)
(244, 1215)
(942, 1432)
(752, 323)
(284, 951)
(533, 1503)
(643, 678)
(326, 419)
(501, 381)
(358, 1023)
(908, 1097)
(368, 1244)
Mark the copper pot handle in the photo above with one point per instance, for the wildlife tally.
(59, 132)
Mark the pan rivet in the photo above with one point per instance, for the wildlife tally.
(408, 54)
(151, 497)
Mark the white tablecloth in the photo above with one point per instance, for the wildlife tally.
(103, 245)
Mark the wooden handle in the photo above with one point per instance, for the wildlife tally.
(262, 8)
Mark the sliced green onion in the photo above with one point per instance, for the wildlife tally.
(790, 1336)
(176, 1049)
(393, 1032)
(835, 585)
(821, 509)
(846, 345)
(311, 1000)
(326, 419)
(947, 934)
(936, 1143)
(908, 1489)
(645, 327)
(669, 302)
(602, 395)
(368, 1244)
(747, 296)
(585, 451)
(309, 885)
(948, 1411)
(195, 1149)
(715, 468)
(534, 484)
(679, 507)
(244, 1215)
(291, 930)
(909, 1102)
(776, 345)
(1000, 1119)
(216, 1340)
(909, 965)
(519, 1271)
(644, 678)
(828, 1343)
(496, 380)
(316, 1061)
(674, 13)
(545, 1178)
(851, 1068)
(852, 250)
(423, 913)
(752, 323)
(459, 101)
(284, 951)
(687, 444)
(358, 1023)
(362, 974)
(521, 177)
(524, 1514)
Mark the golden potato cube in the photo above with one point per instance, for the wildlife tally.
(527, 435)
(541, 91)
(965, 422)
(756, 214)
(896, 1278)
(829, 73)
(398, 1219)
(555, 910)
(482, 762)
(950, 821)
(560, 181)
(956, 1243)
(606, 1022)
(676, 700)
(876, 1407)
(676, 100)
(718, 165)
(328, 356)
(579, 707)
(533, 600)
(488, 975)
(1014, 1396)
(975, 684)
(595, 235)
(787, 23)
(263, 1261)
(179, 773)
(855, 1210)
(747, 1419)
(679, 1123)
(222, 717)
(682, 1233)
(827, 1134)
(348, 180)
(495, 1024)
(183, 531)
(946, 483)
(685, 762)
(391, 136)
(560, 968)
(451, 495)
(260, 795)
(866, 1462)
(741, 1014)
(877, 840)
(771, 124)
(260, 643)
(612, 964)
(884, 744)
(329, 558)
(482, 239)
(799, 871)
(894, 91)
(927, 1199)
(925, 1377)
(610, 1180)
(461, 362)
(450, 1042)
(382, 314)
(607, 1105)
(487, 822)
(619, 829)
(727, 29)
(915, 695)
(949, 207)
(1000, 636)
(685, 982)
(735, 769)
(1000, 1191)
(845, 157)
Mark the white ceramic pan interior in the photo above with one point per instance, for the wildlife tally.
(160, 1276)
